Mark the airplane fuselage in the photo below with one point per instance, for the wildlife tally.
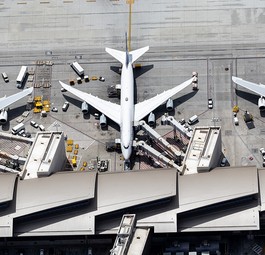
(127, 110)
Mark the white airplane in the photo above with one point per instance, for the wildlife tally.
(256, 88)
(126, 114)
(6, 101)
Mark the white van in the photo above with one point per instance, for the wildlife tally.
(5, 77)
(193, 119)
(42, 128)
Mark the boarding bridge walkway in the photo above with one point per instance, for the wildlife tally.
(179, 127)
(156, 154)
(159, 139)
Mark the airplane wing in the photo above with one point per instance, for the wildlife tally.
(256, 88)
(111, 110)
(6, 101)
(143, 108)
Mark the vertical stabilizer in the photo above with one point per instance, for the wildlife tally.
(127, 53)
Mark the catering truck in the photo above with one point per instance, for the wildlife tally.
(79, 70)
(21, 76)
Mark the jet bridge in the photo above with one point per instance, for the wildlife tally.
(179, 127)
(156, 154)
(159, 139)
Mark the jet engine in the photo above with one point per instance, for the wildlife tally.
(84, 108)
(3, 117)
(169, 105)
(103, 120)
(151, 119)
(261, 103)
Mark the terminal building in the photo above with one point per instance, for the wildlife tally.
(204, 150)
(43, 156)
(201, 198)
(89, 203)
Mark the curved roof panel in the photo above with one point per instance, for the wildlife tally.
(125, 189)
(57, 190)
(7, 183)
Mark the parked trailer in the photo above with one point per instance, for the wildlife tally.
(21, 76)
(77, 68)
(17, 128)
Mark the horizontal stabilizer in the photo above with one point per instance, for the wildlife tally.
(135, 54)
(119, 55)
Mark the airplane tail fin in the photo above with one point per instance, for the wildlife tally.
(122, 57)
(127, 57)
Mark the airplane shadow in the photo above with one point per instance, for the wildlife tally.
(136, 71)
(247, 96)
(140, 71)
(78, 104)
(13, 114)
(161, 110)
(252, 98)
(116, 69)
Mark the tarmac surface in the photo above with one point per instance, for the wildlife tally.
(216, 38)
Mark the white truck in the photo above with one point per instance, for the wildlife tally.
(195, 81)
(21, 76)
(193, 119)
(77, 68)
(17, 128)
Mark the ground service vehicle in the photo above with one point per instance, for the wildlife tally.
(34, 124)
(210, 103)
(17, 128)
(193, 119)
(5, 77)
(86, 78)
(195, 81)
(236, 121)
(101, 78)
(21, 76)
(65, 106)
(79, 70)
(42, 128)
